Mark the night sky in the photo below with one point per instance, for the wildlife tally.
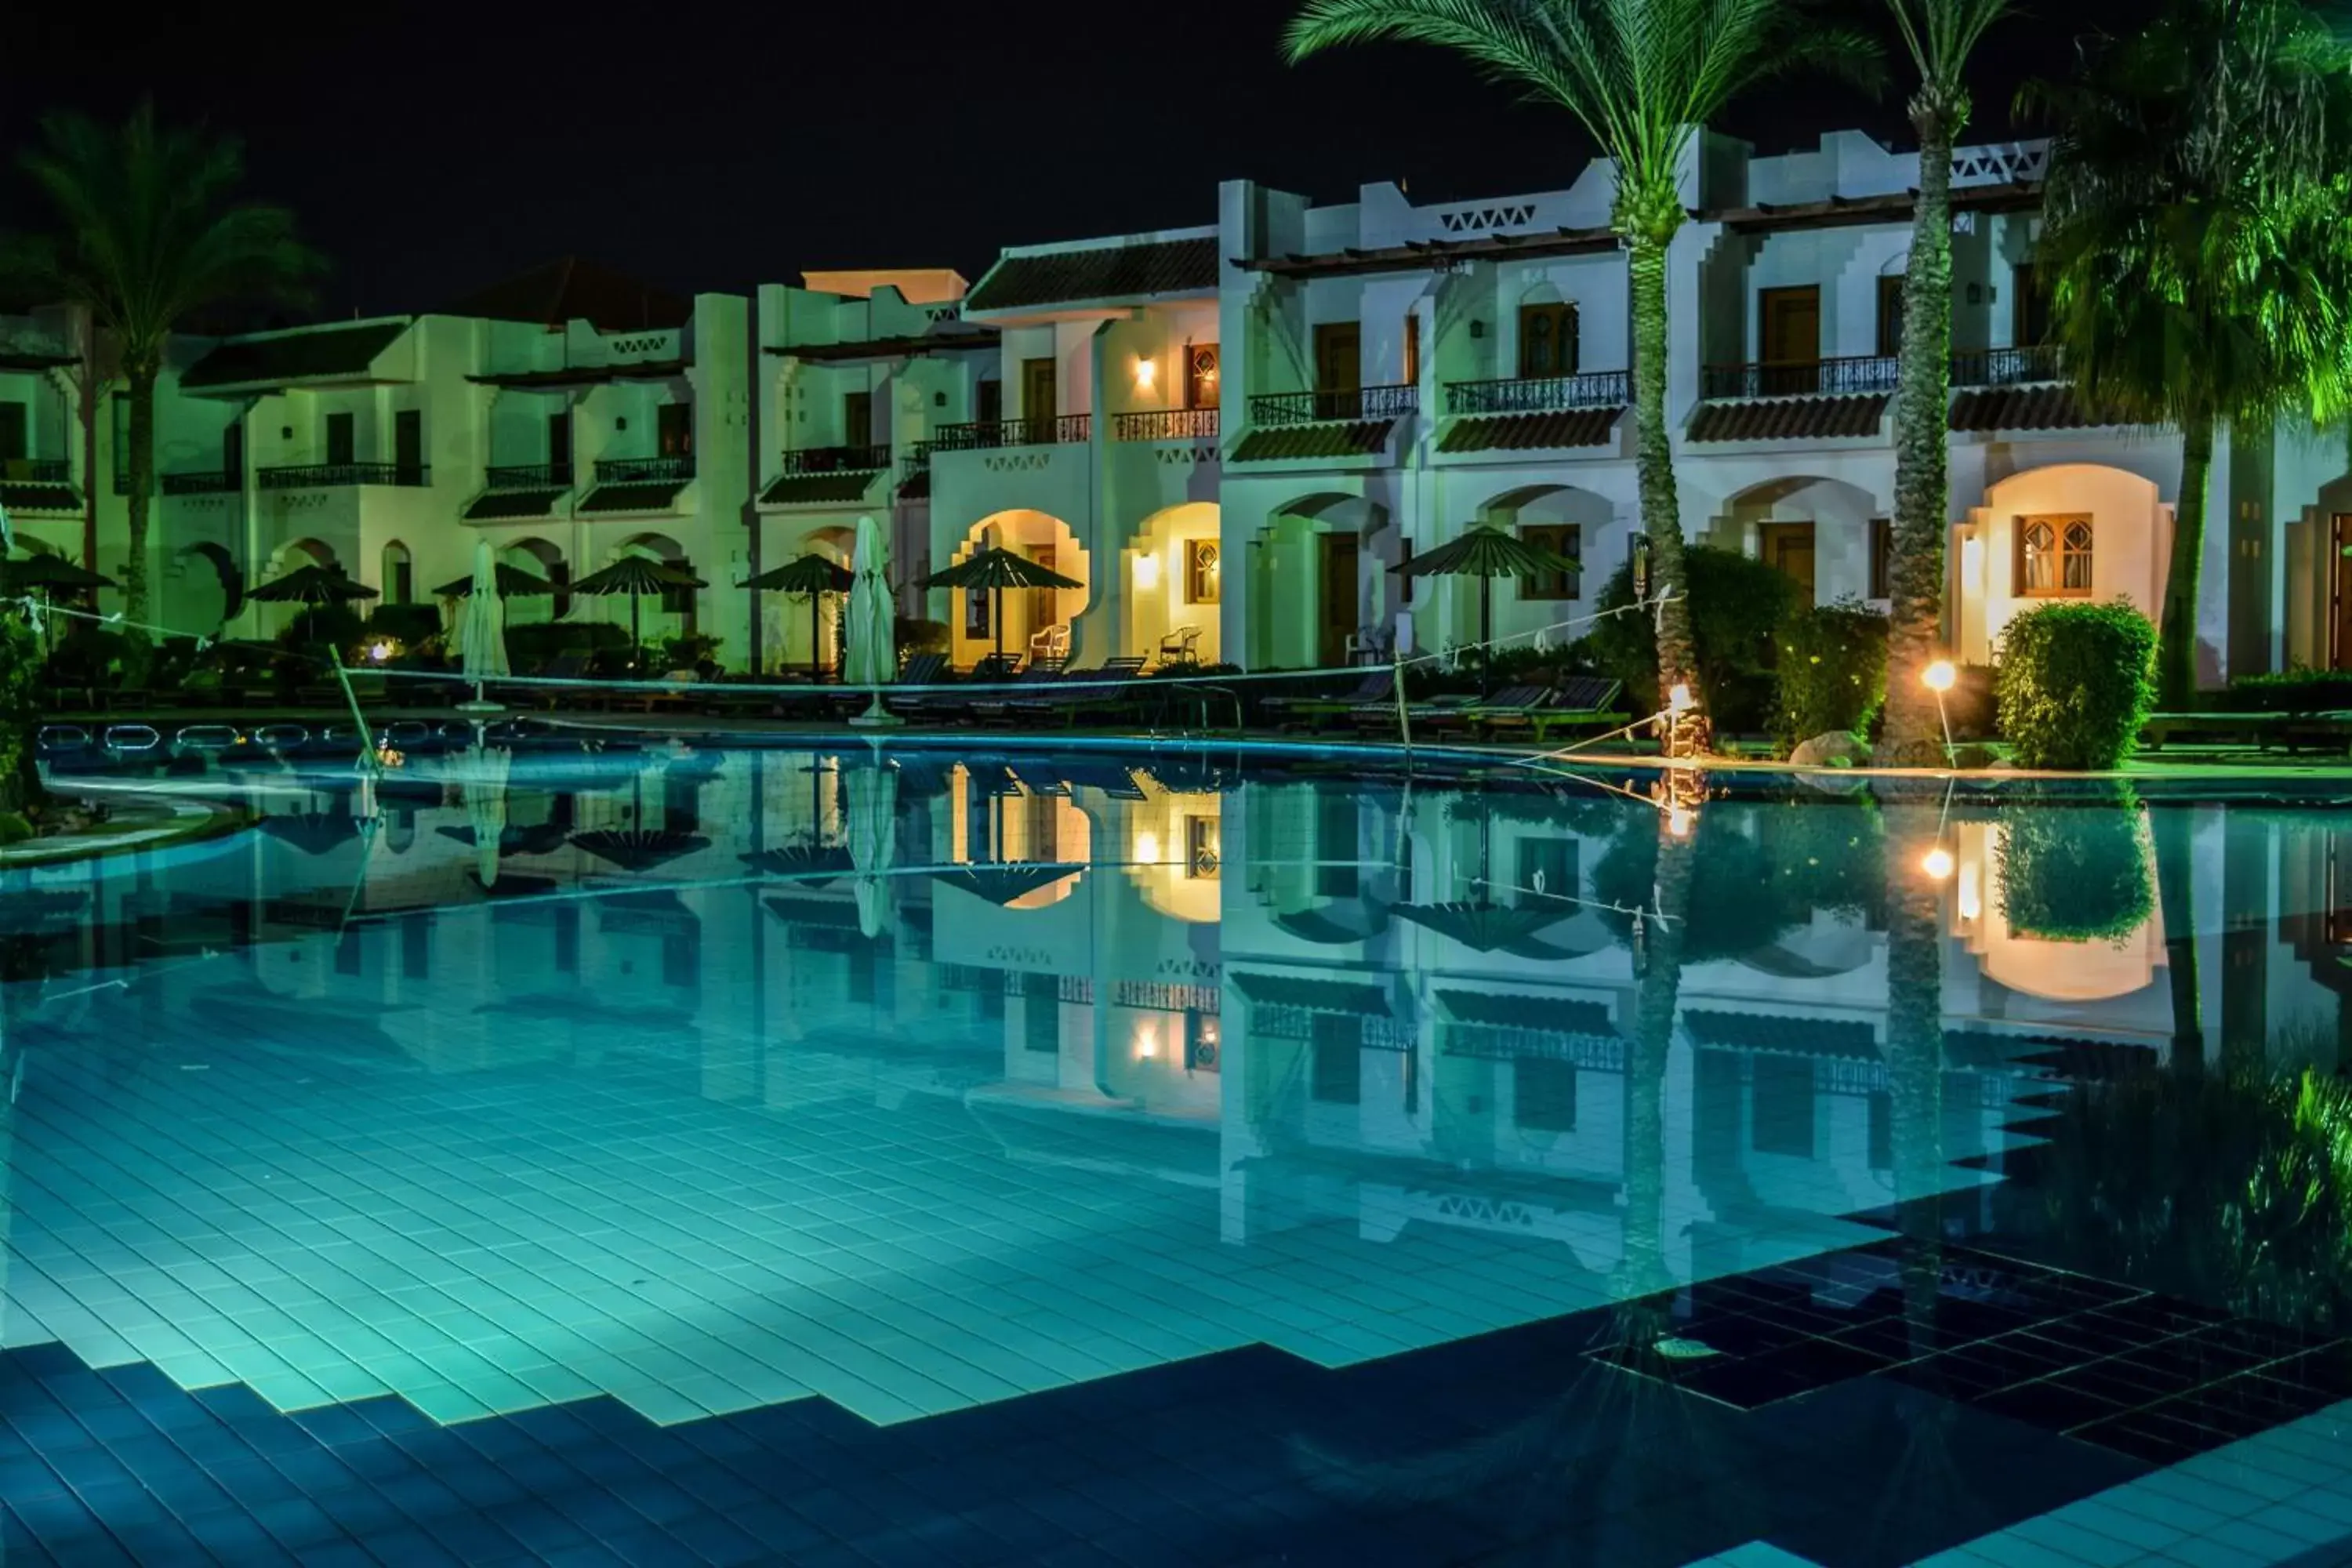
(430, 149)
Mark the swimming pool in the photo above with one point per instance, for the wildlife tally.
(662, 1153)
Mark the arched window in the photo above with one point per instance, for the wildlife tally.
(2054, 557)
(399, 575)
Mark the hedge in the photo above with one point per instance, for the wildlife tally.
(2076, 682)
(1832, 669)
(1736, 605)
(2077, 873)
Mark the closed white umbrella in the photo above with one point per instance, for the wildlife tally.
(873, 630)
(482, 631)
(873, 841)
(482, 770)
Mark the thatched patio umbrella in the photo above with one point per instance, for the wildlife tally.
(813, 575)
(48, 578)
(639, 849)
(995, 570)
(637, 575)
(312, 585)
(514, 582)
(1487, 552)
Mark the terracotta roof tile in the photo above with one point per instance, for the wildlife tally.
(1519, 432)
(1106, 272)
(26, 495)
(499, 504)
(2052, 405)
(1789, 419)
(651, 495)
(1792, 1036)
(1277, 443)
(295, 356)
(803, 489)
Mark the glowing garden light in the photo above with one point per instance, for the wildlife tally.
(1937, 863)
(1940, 678)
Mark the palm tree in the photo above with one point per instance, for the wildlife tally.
(1941, 35)
(147, 234)
(2199, 240)
(1641, 75)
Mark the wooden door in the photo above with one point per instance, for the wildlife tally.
(559, 444)
(1890, 316)
(2339, 642)
(339, 438)
(1789, 329)
(1338, 370)
(987, 400)
(858, 419)
(2029, 307)
(1787, 548)
(1548, 339)
(1337, 606)
(1040, 398)
(674, 429)
(16, 430)
(408, 443)
(233, 453)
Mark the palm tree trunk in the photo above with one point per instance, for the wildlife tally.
(1654, 461)
(1658, 990)
(1922, 489)
(1914, 1056)
(2176, 658)
(2171, 832)
(89, 414)
(142, 486)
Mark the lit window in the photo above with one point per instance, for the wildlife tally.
(1201, 574)
(2053, 558)
(1564, 539)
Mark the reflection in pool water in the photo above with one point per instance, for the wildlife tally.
(709, 1081)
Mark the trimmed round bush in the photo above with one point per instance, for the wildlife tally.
(2076, 681)
(1833, 670)
(2077, 873)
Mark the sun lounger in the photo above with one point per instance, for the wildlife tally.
(1579, 703)
(1309, 711)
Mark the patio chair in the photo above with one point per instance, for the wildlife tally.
(1309, 711)
(1579, 703)
(1050, 643)
(1369, 645)
(1181, 646)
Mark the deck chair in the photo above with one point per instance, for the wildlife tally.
(1095, 700)
(1579, 703)
(1309, 711)
(1512, 705)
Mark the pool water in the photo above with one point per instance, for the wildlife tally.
(652, 1153)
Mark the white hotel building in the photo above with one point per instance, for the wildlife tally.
(1228, 432)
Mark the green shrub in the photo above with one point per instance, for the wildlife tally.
(1831, 670)
(2076, 682)
(2076, 872)
(531, 648)
(321, 627)
(2291, 692)
(14, 828)
(916, 635)
(406, 623)
(1736, 605)
(687, 652)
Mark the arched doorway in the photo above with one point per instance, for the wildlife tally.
(399, 584)
(1176, 576)
(1317, 592)
(2072, 531)
(210, 591)
(1563, 519)
(676, 613)
(1828, 537)
(1041, 619)
(540, 559)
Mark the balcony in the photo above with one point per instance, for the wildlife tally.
(676, 469)
(1540, 394)
(2008, 367)
(528, 476)
(1855, 375)
(203, 482)
(1355, 405)
(325, 476)
(1166, 424)
(836, 460)
(986, 434)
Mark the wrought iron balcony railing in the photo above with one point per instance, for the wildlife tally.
(837, 460)
(1046, 430)
(1540, 394)
(527, 476)
(1321, 407)
(2008, 367)
(37, 470)
(1166, 424)
(644, 471)
(1807, 378)
(916, 459)
(323, 476)
(203, 482)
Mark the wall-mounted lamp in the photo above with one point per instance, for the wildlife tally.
(1147, 373)
(1477, 328)
(1146, 572)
